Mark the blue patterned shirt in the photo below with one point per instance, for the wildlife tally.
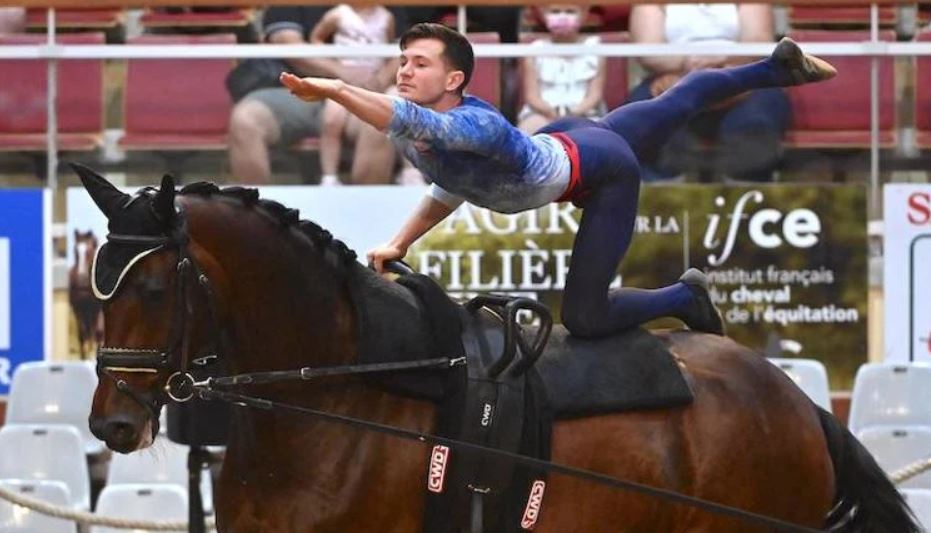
(473, 153)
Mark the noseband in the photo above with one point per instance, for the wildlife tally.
(175, 354)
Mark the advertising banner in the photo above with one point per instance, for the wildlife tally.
(25, 279)
(787, 261)
(907, 272)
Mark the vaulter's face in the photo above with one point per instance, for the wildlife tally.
(423, 76)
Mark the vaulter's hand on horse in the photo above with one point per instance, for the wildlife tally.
(386, 252)
(310, 89)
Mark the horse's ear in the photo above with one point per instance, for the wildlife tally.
(107, 197)
(164, 201)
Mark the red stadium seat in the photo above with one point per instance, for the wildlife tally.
(924, 14)
(923, 96)
(23, 97)
(839, 15)
(77, 19)
(177, 104)
(613, 17)
(617, 83)
(230, 18)
(836, 114)
(486, 78)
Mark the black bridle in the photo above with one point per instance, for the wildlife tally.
(174, 357)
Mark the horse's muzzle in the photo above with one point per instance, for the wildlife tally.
(121, 433)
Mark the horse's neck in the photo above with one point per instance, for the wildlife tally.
(286, 310)
(391, 323)
(272, 458)
(279, 456)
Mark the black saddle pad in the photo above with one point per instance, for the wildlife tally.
(631, 370)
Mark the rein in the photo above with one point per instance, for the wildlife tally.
(181, 386)
(548, 466)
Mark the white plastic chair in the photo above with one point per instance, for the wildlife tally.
(15, 519)
(920, 502)
(34, 452)
(165, 462)
(810, 376)
(891, 395)
(141, 502)
(55, 393)
(896, 447)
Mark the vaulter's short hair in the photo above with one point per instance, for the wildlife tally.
(457, 50)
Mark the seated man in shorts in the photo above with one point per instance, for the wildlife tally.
(272, 117)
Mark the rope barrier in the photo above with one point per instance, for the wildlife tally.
(83, 517)
(911, 470)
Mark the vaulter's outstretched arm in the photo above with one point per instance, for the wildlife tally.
(470, 129)
(428, 214)
(374, 108)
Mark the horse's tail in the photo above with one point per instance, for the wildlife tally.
(865, 500)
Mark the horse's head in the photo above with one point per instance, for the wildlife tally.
(85, 248)
(148, 283)
(211, 272)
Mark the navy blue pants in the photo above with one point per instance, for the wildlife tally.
(609, 149)
(747, 139)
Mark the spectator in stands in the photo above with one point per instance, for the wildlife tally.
(12, 19)
(348, 25)
(271, 116)
(747, 130)
(562, 86)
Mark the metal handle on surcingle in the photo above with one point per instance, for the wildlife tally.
(501, 305)
(397, 266)
(530, 353)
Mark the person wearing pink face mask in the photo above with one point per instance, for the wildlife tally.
(555, 87)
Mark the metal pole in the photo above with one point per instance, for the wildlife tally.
(196, 459)
(51, 126)
(873, 209)
(461, 21)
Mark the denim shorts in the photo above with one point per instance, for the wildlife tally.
(296, 118)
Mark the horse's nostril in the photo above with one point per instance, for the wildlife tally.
(120, 432)
(97, 427)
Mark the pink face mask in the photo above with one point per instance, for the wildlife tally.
(562, 23)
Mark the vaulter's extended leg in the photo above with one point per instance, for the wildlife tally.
(649, 123)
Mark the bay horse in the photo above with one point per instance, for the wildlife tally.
(85, 306)
(285, 294)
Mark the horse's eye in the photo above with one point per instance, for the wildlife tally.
(151, 288)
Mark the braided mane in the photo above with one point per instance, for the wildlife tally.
(285, 216)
